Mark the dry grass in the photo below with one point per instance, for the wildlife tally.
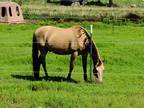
(79, 12)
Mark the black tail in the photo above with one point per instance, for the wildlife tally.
(35, 59)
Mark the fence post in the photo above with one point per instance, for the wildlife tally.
(91, 31)
(113, 22)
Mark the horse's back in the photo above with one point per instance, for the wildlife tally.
(55, 32)
(58, 40)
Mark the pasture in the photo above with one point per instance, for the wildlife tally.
(123, 85)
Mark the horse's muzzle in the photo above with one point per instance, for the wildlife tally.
(99, 80)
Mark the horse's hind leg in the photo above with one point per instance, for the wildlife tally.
(72, 61)
(43, 61)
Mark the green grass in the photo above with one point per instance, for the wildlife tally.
(123, 76)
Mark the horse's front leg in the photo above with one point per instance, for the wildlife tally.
(84, 62)
(72, 62)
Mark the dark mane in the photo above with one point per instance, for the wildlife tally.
(95, 54)
(87, 33)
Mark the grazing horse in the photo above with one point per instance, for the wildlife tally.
(74, 41)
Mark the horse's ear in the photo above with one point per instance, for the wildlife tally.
(103, 59)
(99, 62)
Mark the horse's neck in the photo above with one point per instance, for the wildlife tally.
(95, 55)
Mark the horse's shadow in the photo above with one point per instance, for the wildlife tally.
(50, 78)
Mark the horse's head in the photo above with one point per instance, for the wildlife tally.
(98, 71)
(98, 64)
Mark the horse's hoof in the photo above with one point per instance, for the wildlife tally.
(47, 78)
(68, 78)
(35, 78)
(86, 80)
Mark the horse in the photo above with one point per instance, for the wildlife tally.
(72, 41)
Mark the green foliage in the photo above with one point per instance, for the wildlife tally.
(122, 48)
(20, 2)
(26, 13)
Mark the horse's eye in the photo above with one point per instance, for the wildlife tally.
(96, 75)
(95, 71)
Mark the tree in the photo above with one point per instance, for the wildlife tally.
(98, 1)
(110, 3)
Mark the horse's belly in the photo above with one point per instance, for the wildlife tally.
(60, 51)
(62, 44)
(59, 48)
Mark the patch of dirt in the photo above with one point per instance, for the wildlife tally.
(133, 17)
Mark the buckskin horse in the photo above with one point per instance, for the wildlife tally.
(74, 41)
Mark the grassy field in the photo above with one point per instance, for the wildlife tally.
(123, 85)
